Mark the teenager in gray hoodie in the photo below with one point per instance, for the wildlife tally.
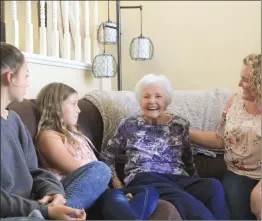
(24, 186)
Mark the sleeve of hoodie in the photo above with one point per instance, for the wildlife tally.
(44, 182)
(13, 205)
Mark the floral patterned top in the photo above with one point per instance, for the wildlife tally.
(241, 132)
(161, 148)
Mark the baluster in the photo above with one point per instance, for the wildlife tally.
(77, 33)
(29, 28)
(87, 34)
(96, 46)
(55, 40)
(2, 22)
(67, 39)
(49, 28)
(15, 27)
(43, 45)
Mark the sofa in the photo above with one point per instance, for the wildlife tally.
(91, 124)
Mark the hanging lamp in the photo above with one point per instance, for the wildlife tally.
(107, 35)
(104, 65)
(141, 48)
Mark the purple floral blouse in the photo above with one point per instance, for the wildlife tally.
(162, 148)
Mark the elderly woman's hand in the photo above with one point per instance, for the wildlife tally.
(117, 184)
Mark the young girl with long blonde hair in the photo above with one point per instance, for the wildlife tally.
(70, 155)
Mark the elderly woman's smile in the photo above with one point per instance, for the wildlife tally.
(153, 103)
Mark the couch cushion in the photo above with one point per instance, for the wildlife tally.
(90, 122)
(28, 113)
(203, 108)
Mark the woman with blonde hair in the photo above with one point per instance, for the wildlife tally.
(66, 152)
(239, 133)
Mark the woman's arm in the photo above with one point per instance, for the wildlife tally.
(14, 205)
(212, 139)
(255, 200)
(206, 138)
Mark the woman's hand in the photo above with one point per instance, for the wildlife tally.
(52, 200)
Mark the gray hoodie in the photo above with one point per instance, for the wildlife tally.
(22, 182)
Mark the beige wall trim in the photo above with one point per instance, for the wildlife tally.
(58, 62)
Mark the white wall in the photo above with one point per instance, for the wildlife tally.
(198, 44)
(40, 75)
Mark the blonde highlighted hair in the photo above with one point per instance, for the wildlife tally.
(49, 103)
(253, 63)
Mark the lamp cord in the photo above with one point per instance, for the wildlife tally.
(108, 10)
(104, 38)
(141, 20)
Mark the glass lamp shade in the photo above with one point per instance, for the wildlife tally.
(104, 66)
(141, 49)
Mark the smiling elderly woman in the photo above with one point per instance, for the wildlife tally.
(158, 153)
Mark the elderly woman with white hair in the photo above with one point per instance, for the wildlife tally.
(158, 152)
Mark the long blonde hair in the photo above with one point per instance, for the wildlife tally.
(49, 103)
(253, 63)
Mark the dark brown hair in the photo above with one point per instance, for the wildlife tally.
(12, 59)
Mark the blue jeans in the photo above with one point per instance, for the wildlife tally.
(115, 205)
(85, 185)
(238, 190)
(194, 198)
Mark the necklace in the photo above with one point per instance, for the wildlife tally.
(162, 120)
(252, 111)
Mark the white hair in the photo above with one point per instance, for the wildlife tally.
(159, 80)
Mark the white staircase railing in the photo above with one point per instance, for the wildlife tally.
(53, 42)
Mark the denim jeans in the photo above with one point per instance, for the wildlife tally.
(194, 198)
(116, 206)
(238, 190)
(85, 185)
